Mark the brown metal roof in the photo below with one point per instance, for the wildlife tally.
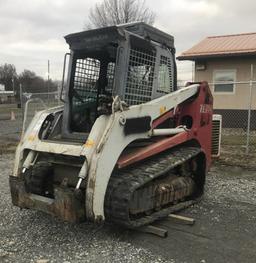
(218, 46)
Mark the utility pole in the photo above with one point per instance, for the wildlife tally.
(13, 84)
(48, 81)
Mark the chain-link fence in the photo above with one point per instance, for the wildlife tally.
(50, 99)
(236, 102)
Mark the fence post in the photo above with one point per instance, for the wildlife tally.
(249, 113)
(21, 102)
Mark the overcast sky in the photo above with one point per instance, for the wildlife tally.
(31, 31)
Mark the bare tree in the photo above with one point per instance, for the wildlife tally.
(33, 83)
(8, 75)
(113, 12)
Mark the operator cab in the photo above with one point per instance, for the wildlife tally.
(92, 87)
(134, 61)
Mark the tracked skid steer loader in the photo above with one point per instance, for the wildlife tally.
(127, 146)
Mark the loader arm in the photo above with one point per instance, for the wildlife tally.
(114, 141)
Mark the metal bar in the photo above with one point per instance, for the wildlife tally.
(45, 93)
(48, 81)
(21, 103)
(26, 111)
(152, 149)
(232, 82)
(249, 113)
(63, 76)
(163, 132)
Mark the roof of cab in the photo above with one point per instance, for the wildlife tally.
(113, 33)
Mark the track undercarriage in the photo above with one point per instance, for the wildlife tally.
(144, 192)
(154, 188)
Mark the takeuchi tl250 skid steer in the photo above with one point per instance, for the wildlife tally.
(127, 146)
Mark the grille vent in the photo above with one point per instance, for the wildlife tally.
(216, 134)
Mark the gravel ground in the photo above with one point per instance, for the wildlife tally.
(231, 183)
(27, 236)
(225, 229)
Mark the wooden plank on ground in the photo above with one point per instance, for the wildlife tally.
(181, 219)
(153, 230)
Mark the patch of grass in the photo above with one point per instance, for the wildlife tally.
(8, 147)
(7, 110)
(237, 140)
(235, 155)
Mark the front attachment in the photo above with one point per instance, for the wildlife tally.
(35, 190)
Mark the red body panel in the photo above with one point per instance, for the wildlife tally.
(199, 110)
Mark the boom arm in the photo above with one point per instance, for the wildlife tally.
(114, 141)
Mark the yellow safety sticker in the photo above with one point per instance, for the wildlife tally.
(89, 143)
(31, 137)
(162, 109)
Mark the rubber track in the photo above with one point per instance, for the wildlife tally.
(122, 184)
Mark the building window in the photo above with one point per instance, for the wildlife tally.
(228, 77)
